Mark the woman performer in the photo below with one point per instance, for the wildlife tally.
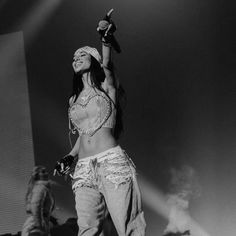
(104, 177)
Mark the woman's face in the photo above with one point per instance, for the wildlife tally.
(81, 62)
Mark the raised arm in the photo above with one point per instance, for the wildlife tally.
(106, 28)
(108, 64)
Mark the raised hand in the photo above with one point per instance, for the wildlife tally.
(106, 25)
(106, 29)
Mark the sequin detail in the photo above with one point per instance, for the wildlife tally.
(105, 111)
(114, 165)
(117, 170)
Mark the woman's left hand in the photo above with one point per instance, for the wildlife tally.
(106, 29)
(106, 26)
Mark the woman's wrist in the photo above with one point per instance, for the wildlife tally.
(72, 153)
(106, 44)
(68, 159)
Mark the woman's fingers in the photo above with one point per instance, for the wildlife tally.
(107, 31)
(66, 171)
(62, 170)
(62, 167)
(57, 168)
(109, 13)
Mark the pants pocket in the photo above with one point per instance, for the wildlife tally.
(83, 176)
(118, 170)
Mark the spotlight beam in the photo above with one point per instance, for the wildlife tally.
(156, 201)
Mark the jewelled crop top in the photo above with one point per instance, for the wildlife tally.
(91, 111)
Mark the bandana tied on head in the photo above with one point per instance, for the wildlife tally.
(92, 51)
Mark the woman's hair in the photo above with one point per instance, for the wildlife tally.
(97, 77)
(35, 176)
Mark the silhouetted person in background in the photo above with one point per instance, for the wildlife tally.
(39, 204)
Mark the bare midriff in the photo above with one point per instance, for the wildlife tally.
(102, 140)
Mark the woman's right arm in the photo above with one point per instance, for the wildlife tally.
(75, 150)
(63, 166)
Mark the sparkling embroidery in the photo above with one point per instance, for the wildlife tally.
(83, 102)
(117, 168)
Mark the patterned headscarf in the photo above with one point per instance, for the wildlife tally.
(92, 51)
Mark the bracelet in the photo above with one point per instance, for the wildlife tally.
(106, 44)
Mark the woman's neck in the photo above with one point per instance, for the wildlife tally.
(86, 79)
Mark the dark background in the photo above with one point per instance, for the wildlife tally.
(178, 69)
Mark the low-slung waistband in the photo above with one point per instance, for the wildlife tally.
(102, 155)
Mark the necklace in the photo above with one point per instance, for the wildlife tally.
(85, 93)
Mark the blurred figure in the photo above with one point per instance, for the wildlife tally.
(39, 204)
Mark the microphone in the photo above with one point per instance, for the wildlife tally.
(106, 28)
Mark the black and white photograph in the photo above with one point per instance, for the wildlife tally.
(117, 118)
